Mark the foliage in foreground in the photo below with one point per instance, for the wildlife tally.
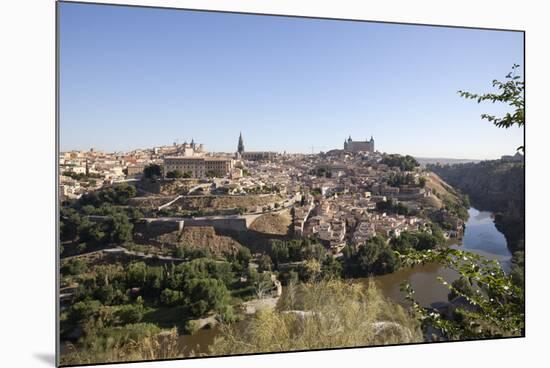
(126, 344)
(322, 315)
(494, 303)
(510, 92)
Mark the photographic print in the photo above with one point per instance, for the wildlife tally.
(238, 184)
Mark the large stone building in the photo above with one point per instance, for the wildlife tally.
(258, 156)
(359, 146)
(190, 149)
(134, 170)
(199, 167)
(253, 156)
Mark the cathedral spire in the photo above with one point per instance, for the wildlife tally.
(240, 146)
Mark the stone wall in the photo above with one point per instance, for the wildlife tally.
(234, 224)
(150, 228)
(148, 186)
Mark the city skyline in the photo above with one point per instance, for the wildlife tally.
(132, 79)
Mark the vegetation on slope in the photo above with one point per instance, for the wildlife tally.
(322, 315)
(130, 343)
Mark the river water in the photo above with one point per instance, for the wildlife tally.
(480, 236)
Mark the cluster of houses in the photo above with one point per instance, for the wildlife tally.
(84, 171)
(334, 195)
(349, 219)
(344, 190)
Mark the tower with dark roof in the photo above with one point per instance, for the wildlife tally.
(240, 146)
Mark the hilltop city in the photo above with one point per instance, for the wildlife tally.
(334, 195)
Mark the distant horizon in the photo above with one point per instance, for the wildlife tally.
(134, 78)
(96, 149)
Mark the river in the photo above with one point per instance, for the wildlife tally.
(480, 237)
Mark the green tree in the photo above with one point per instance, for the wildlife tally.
(119, 194)
(136, 274)
(372, 258)
(405, 242)
(80, 312)
(129, 314)
(331, 267)
(265, 263)
(405, 163)
(313, 251)
(279, 252)
(171, 298)
(510, 92)
(176, 174)
(69, 221)
(426, 241)
(208, 294)
(123, 192)
(152, 171)
(310, 270)
(105, 294)
(91, 232)
(386, 262)
(74, 267)
(179, 252)
(120, 228)
(243, 256)
(497, 303)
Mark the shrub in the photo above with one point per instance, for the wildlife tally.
(137, 342)
(129, 314)
(171, 298)
(322, 315)
(74, 267)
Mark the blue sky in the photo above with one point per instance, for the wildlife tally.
(138, 77)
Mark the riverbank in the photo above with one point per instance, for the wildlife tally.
(481, 237)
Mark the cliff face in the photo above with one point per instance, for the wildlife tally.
(494, 186)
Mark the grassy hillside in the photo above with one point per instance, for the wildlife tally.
(193, 238)
(441, 192)
(327, 314)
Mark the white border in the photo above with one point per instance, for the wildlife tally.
(27, 184)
